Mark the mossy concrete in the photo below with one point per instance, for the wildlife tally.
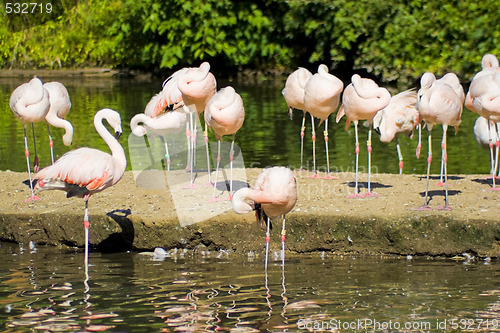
(429, 235)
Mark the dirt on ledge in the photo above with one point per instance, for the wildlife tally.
(151, 209)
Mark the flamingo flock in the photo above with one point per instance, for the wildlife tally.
(190, 92)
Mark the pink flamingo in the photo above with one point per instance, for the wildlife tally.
(197, 86)
(294, 97)
(483, 98)
(362, 99)
(400, 116)
(30, 104)
(321, 98)
(170, 98)
(274, 195)
(438, 103)
(484, 137)
(452, 80)
(85, 171)
(170, 122)
(225, 114)
(60, 105)
(190, 88)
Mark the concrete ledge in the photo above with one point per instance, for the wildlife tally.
(129, 217)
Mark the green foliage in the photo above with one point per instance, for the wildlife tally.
(396, 41)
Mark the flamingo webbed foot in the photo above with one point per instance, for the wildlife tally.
(371, 194)
(32, 198)
(423, 208)
(445, 207)
(191, 186)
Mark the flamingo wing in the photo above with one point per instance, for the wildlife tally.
(87, 168)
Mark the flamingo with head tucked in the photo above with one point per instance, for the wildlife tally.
(294, 97)
(483, 98)
(362, 99)
(85, 171)
(274, 195)
(321, 98)
(30, 104)
(439, 102)
(60, 106)
(400, 116)
(197, 86)
(225, 114)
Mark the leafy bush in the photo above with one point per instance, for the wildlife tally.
(394, 41)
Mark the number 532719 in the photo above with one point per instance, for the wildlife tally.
(28, 8)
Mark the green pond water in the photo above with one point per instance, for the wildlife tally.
(45, 289)
(267, 137)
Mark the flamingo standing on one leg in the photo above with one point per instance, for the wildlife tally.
(225, 114)
(362, 99)
(294, 97)
(170, 122)
(400, 116)
(274, 195)
(483, 98)
(484, 137)
(85, 171)
(321, 98)
(60, 105)
(197, 86)
(30, 104)
(438, 103)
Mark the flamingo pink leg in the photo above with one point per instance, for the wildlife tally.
(268, 238)
(192, 148)
(356, 193)
(86, 224)
(497, 144)
(205, 135)
(314, 175)
(369, 147)
(419, 145)
(325, 134)
(302, 130)
(27, 154)
(497, 150)
(283, 236)
(231, 159)
(429, 159)
(51, 144)
(441, 174)
(400, 157)
(35, 161)
(445, 174)
(214, 198)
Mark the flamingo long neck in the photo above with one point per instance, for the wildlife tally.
(239, 204)
(379, 97)
(137, 129)
(116, 148)
(55, 121)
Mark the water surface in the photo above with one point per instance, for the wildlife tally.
(45, 289)
(268, 136)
